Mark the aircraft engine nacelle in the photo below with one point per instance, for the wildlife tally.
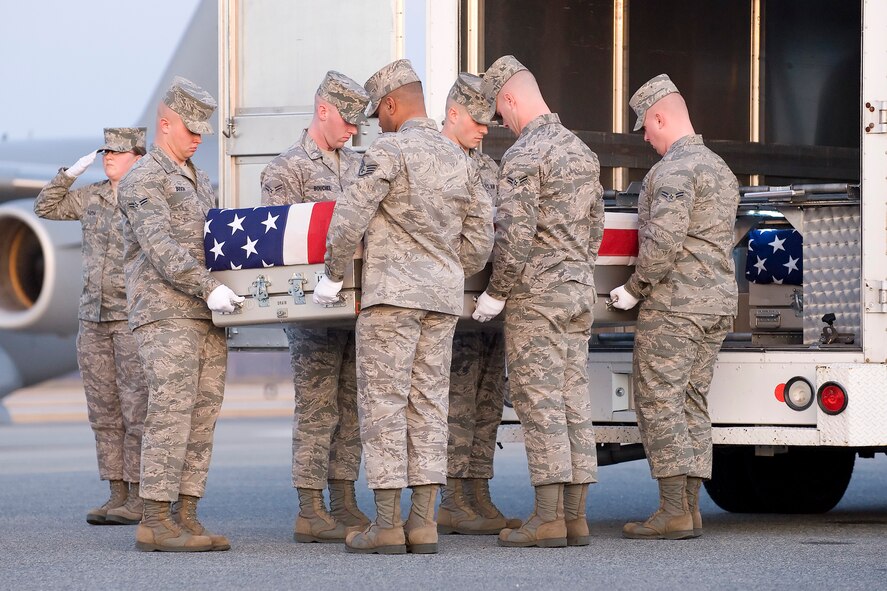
(40, 271)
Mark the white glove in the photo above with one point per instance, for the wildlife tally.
(81, 165)
(622, 299)
(222, 299)
(327, 292)
(487, 307)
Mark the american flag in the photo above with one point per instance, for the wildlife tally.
(774, 256)
(253, 238)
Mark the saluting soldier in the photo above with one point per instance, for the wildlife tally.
(116, 394)
(477, 375)
(428, 224)
(549, 226)
(685, 276)
(171, 294)
(326, 433)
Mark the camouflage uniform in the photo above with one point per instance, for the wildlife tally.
(686, 214)
(326, 432)
(116, 394)
(477, 381)
(549, 226)
(428, 225)
(183, 354)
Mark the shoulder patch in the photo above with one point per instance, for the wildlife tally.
(367, 168)
(517, 180)
(671, 196)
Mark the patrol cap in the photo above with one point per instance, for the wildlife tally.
(193, 104)
(124, 139)
(647, 95)
(467, 91)
(498, 74)
(346, 95)
(390, 78)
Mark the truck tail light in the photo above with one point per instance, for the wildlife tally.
(832, 398)
(798, 393)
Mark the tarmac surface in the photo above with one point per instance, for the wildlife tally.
(48, 481)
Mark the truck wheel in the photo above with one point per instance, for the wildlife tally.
(803, 480)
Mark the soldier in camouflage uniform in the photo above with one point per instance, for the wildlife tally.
(549, 226)
(116, 394)
(326, 433)
(171, 294)
(477, 375)
(428, 224)
(685, 276)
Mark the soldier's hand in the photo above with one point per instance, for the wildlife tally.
(81, 165)
(622, 299)
(487, 307)
(222, 299)
(326, 292)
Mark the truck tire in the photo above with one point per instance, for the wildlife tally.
(803, 480)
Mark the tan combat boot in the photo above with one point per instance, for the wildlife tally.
(130, 513)
(99, 515)
(546, 527)
(479, 498)
(314, 523)
(574, 514)
(672, 521)
(159, 532)
(420, 529)
(693, 485)
(343, 506)
(457, 516)
(186, 517)
(385, 535)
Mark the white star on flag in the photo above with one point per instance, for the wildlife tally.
(217, 249)
(236, 267)
(777, 244)
(761, 265)
(791, 265)
(206, 229)
(250, 247)
(264, 264)
(271, 222)
(237, 224)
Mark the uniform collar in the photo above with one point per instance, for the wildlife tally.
(687, 140)
(315, 153)
(546, 119)
(418, 122)
(106, 192)
(168, 165)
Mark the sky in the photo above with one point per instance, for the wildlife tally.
(68, 69)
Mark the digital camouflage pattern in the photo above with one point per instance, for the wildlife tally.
(427, 219)
(165, 207)
(686, 213)
(184, 362)
(104, 288)
(549, 226)
(391, 77)
(124, 139)
(500, 72)
(346, 95)
(305, 173)
(467, 91)
(193, 104)
(477, 395)
(673, 364)
(546, 342)
(489, 174)
(403, 368)
(647, 95)
(550, 220)
(326, 432)
(116, 396)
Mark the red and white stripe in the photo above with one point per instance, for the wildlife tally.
(620, 243)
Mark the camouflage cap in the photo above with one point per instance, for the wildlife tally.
(498, 74)
(467, 91)
(124, 139)
(647, 95)
(390, 78)
(346, 95)
(193, 104)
